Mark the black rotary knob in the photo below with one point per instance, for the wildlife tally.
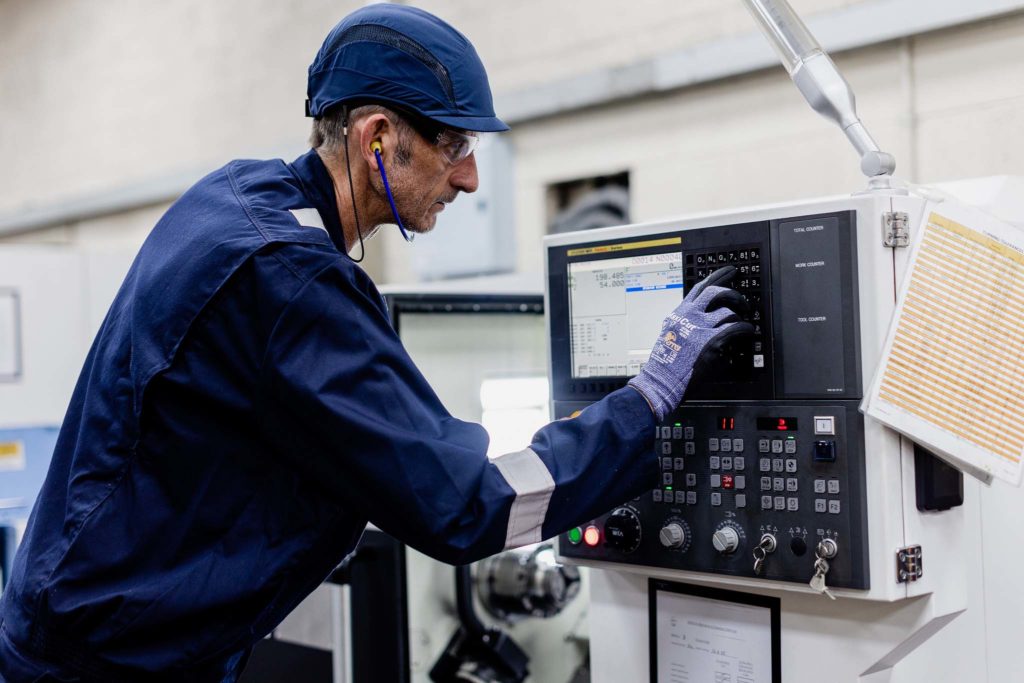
(622, 530)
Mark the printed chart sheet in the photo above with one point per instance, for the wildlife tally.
(952, 371)
(701, 640)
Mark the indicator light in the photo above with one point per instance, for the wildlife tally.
(592, 536)
(575, 535)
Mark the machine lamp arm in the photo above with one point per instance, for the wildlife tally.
(819, 80)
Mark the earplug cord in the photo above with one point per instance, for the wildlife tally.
(387, 190)
(351, 190)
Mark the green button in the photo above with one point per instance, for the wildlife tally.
(575, 535)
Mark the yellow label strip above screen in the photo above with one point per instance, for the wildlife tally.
(624, 246)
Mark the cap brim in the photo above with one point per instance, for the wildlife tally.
(476, 124)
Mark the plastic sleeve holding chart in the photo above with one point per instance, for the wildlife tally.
(952, 371)
(706, 634)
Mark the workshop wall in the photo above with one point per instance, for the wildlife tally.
(113, 98)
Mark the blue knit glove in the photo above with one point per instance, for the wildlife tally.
(706, 318)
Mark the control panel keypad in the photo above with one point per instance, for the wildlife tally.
(749, 281)
(671, 440)
(723, 470)
(791, 489)
(746, 260)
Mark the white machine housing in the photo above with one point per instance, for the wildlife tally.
(864, 632)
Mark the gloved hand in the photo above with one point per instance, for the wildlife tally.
(707, 317)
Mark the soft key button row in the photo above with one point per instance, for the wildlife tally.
(826, 486)
(787, 446)
(778, 465)
(780, 503)
(676, 432)
(674, 497)
(728, 481)
(790, 484)
(726, 462)
(721, 445)
(832, 507)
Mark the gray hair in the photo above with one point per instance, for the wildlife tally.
(327, 136)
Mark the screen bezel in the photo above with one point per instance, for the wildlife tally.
(564, 387)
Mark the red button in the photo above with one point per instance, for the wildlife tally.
(726, 481)
(592, 536)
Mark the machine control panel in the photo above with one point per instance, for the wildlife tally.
(731, 475)
(764, 461)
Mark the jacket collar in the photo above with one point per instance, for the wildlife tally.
(319, 189)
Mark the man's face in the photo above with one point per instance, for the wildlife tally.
(423, 182)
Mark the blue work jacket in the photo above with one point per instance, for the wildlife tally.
(245, 409)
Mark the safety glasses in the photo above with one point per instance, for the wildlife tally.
(455, 146)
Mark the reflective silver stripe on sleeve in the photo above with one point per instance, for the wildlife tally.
(528, 476)
(309, 218)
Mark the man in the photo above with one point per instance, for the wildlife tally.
(246, 406)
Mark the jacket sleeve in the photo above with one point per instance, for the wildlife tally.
(347, 405)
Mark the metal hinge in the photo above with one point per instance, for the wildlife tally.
(895, 229)
(909, 564)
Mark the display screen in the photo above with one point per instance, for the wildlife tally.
(776, 424)
(727, 424)
(616, 310)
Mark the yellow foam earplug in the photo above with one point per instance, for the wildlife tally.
(375, 146)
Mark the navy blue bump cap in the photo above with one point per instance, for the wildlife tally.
(402, 55)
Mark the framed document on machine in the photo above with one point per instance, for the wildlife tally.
(710, 634)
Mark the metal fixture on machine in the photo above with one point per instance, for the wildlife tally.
(527, 581)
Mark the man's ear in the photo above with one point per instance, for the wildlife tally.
(375, 130)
